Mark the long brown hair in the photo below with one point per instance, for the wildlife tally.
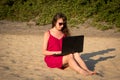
(65, 29)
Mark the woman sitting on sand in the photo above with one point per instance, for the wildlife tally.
(53, 45)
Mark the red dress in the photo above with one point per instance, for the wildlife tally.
(54, 44)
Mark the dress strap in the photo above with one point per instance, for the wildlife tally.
(49, 32)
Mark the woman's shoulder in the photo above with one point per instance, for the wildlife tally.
(47, 33)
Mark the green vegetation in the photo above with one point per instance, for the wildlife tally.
(77, 11)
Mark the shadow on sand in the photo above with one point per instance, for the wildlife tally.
(91, 62)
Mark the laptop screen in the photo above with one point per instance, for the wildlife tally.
(72, 44)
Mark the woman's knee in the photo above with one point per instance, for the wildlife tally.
(66, 58)
(70, 56)
(76, 55)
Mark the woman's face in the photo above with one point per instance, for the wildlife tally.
(59, 24)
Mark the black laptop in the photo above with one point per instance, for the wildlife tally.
(72, 44)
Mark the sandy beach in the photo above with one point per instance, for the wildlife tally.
(21, 55)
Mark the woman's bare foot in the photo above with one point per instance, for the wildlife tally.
(91, 72)
(85, 73)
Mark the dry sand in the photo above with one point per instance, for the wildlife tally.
(21, 57)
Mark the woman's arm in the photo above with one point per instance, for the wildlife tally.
(45, 42)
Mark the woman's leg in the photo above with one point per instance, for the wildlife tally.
(68, 59)
(82, 63)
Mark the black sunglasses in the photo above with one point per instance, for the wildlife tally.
(61, 24)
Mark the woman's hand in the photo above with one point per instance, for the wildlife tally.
(57, 53)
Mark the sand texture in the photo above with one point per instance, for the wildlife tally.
(21, 55)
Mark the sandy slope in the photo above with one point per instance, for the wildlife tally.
(21, 57)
